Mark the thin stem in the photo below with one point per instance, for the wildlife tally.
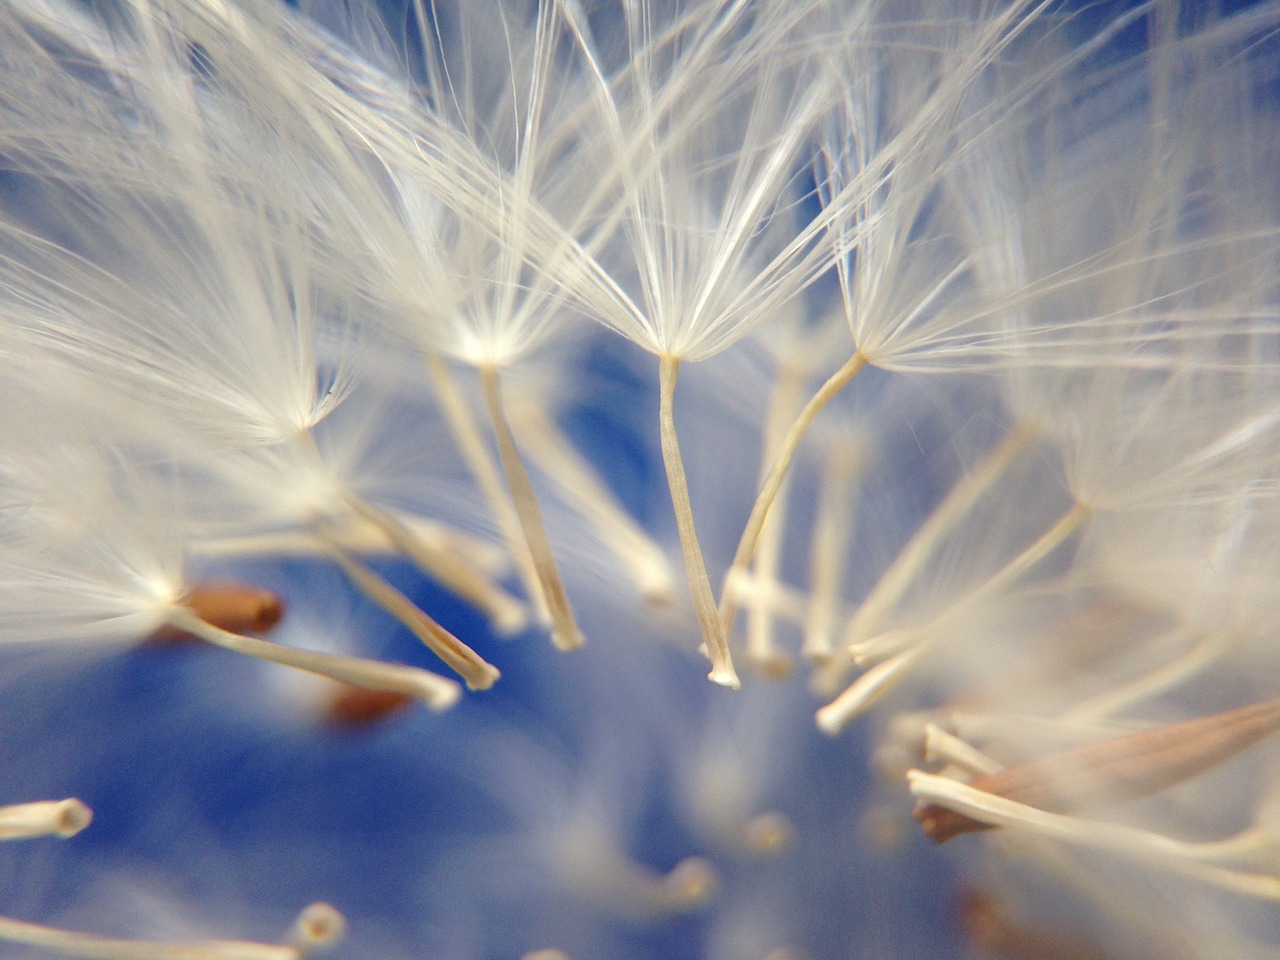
(695, 567)
(452, 571)
(474, 669)
(893, 583)
(439, 693)
(1121, 768)
(43, 818)
(944, 747)
(476, 454)
(897, 653)
(866, 691)
(773, 482)
(630, 543)
(318, 926)
(889, 643)
(991, 810)
(564, 629)
(365, 540)
(831, 534)
(785, 402)
(1202, 654)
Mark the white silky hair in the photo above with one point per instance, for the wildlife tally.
(90, 550)
(309, 206)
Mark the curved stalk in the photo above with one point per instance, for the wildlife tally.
(695, 566)
(773, 483)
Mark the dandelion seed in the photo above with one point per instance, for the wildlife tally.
(486, 475)
(690, 225)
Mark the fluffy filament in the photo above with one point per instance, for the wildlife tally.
(1205, 652)
(897, 653)
(894, 641)
(43, 818)
(564, 629)
(704, 602)
(437, 692)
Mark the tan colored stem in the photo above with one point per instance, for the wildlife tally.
(474, 669)
(564, 629)
(1110, 771)
(1194, 860)
(452, 571)
(695, 567)
(318, 926)
(831, 533)
(960, 499)
(439, 693)
(476, 454)
(630, 543)
(785, 402)
(866, 691)
(895, 655)
(773, 481)
(43, 818)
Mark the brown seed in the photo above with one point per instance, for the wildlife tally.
(238, 607)
(991, 932)
(353, 706)
(228, 605)
(1122, 768)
